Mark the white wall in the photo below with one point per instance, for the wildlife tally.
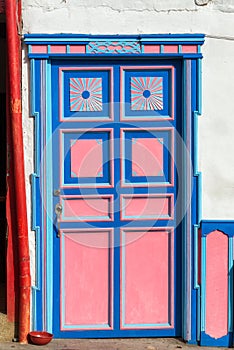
(216, 20)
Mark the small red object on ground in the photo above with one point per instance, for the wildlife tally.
(40, 337)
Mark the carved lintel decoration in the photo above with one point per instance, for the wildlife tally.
(114, 47)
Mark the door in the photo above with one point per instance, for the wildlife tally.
(117, 234)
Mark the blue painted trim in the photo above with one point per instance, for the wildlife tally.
(42, 184)
(92, 43)
(36, 289)
(187, 133)
(49, 201)
(208, 226)
(206, 340)
(143, 37)
(226, 226)
(72, 55)
(198, 176)
(32, 86)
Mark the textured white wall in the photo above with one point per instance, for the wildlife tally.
(215, 19)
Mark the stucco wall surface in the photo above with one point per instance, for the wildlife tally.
(214, 18)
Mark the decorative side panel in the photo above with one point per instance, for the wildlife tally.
(147, 279)
(216, 284)
(147, 207)
(86, 279)
(87, 208)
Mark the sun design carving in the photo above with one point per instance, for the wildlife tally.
(146, 93)
(86, 94)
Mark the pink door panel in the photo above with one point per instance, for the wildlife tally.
(147, 278)
(86, 279)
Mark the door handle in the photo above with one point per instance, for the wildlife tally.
(58, 211)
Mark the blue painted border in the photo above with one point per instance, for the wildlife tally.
(226, 226)
(207, 227)
(198, 38)
(136, 41)
(35, 178)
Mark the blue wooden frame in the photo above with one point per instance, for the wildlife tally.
(226, 227)
(40, 84)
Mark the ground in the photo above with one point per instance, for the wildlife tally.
(7, 331)
(110, 344)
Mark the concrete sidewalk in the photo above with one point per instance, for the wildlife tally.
(110, 344)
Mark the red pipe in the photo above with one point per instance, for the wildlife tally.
(14, 69)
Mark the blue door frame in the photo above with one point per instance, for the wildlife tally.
(43, 53)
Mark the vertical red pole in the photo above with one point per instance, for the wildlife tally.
(14, 69)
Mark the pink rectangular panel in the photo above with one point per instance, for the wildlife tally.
(58, 48)
(86, 158)
(147, 157)
(216, 284)
(86, 279)
(147, 278)
(151, 48)
(87, 208)
(170, 48)
(147, 207)
(39, 48)
(77, 48)
(189, 48)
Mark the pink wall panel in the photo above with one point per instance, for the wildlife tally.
(217, 284)
(77, 49)
(147, 206)
(147, 157)
(151, 48)
(189, 48)
(58, 49)
(86, 158)
(86, 293)
(170, 48)
(146, 278)
(85, 208)
(39, 48)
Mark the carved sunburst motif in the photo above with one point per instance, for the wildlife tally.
(146, 93)
(86, 94)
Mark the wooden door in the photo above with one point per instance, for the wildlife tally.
(116, 244)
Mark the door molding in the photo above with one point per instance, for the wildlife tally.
(42, 50)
